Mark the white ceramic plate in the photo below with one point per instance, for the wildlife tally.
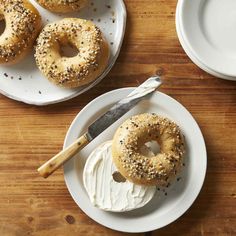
(208, 27)
(25, 83)
(168, 204)
(191, 54)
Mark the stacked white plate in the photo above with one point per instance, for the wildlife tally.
(207, 32)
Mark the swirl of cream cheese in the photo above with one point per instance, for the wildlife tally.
(104, 192)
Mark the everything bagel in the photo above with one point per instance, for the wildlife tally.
(23, 24)
(63, 6)
(70, 72)
(138, 168)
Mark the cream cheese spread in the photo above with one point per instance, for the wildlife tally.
(106, 193)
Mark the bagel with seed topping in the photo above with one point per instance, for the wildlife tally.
(81, 69)
(23, 24)
(63, 6)
(130, 137)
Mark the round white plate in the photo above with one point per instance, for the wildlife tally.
(208, 27)
(168, 204)
(191, 54)
(25, 83)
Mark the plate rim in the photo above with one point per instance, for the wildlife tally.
(150, 228)
(87, 87)
(190, 54)
(213, 65)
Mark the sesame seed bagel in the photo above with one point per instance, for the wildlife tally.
(130, 137)
(72, 72)
(63, 6)
(23, 24)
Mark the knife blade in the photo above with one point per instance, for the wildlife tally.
(122, 107)
(102, 123)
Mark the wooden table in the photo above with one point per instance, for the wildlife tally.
(29, 135)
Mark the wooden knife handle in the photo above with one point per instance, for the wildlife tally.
(58, 160)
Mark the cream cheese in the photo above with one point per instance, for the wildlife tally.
(104, 192)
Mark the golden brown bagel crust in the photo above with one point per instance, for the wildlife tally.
(72, 72)
(63, 6)
(23, 24)
(139, 169)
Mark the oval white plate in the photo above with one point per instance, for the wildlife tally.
(163, 209)
(191, 55)
(25, 83)
(209, 29)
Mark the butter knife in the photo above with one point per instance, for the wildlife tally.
(101, 124)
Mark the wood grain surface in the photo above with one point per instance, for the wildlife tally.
(30, 135)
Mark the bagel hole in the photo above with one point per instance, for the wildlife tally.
(150, 149)
(2, 24)
(118, 177)
(68, 50)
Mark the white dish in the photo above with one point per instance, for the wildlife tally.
(25, 83)
(191, 54)
(162, 209)
(208, 30)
